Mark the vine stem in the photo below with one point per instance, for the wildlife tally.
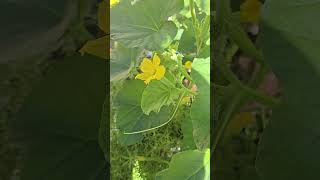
(225, 120)
(184, 72)
(172, 116)
(264, 99)
(195, 24)
(187, 90)
(268, 100)
(165, 80)
(193, 15)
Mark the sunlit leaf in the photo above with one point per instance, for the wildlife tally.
(130, 117)
(158, 94)
(200, 109)
(145, 23)
(188, 165)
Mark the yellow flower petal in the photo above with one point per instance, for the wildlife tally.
(151, 69)
(147, 66)
(143, 76)
(188, 65)
(156, 60)
(160, 71)
(114, 2)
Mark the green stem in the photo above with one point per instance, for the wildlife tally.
(167, 82)
(223, 13)
(195, 25)
(186, 89)
(231, 51)
(202, 34)
(225, 121)
(270, 101)
(240, 37)
(222, 10)
(172, 116)
(184, 72)
(193, 15)
(245, 91)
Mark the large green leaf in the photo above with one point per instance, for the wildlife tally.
(105, 133)
(200, 109)
(121, 61)
(188, 41)
(59, 122)
(130, 117)
(290, 144)
(158, 94)
(32, 27)
(188, 165)
(145, 23)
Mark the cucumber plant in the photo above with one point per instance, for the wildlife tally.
(160, 68)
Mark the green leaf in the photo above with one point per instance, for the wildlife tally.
(97, 47)
(158, 94)
(161, 175)
(289, 148)
(130, 117)
(121, 61)
(187, 131)
(188, 165)
(204, 30)
(187, 42)
(145, 23)
(205, 52)
(200, 110)
(59, 122)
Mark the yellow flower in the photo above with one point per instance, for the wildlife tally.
(188, 65)
(113, 2)
(151, 69)
(250, 11)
